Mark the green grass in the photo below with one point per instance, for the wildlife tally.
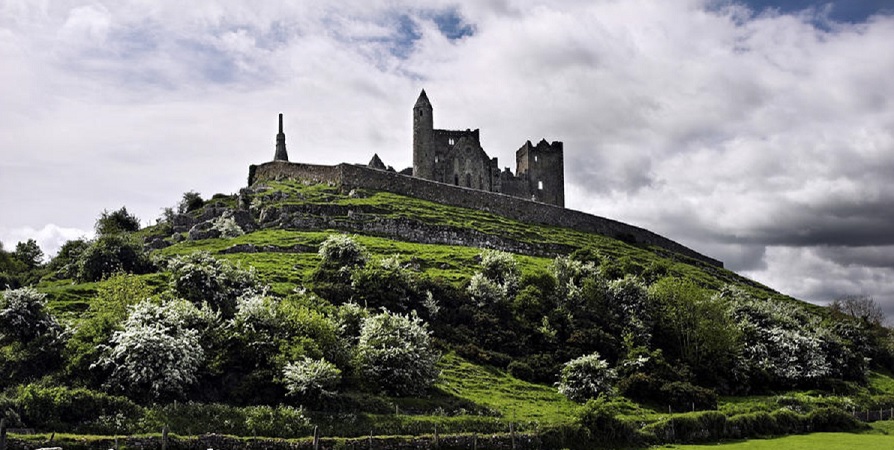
(517, 401)
(815, 441)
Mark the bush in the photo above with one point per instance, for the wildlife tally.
(201, 418)
(395, 353)
(788, 422)
(387, 284)
(226, 225)
(685, 396)
(691, 427)
(199, 278)
(502, 269)
(599, 418)
(586, 377)
(64, 409)
(116, 222)
(110, 254)
(155, 355)
(24, 317)
(756, 424)
(832, 419)
(191, 201)
(342, 252)
(311, 378)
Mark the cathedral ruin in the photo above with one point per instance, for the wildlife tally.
(456, 157)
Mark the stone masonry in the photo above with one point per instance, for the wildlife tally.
(456, 157)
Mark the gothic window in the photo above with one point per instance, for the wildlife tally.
(456, 179)
(450, 141)
(540, 185)
(535, 158)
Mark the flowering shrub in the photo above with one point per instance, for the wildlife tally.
(395, 353)
(199, 277)
(311, 378)
(586, 377)
(23, 316)
(155, 354)
(227, 226)
(342, 252)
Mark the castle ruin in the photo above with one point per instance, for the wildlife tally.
(456, 157)
(451, 168)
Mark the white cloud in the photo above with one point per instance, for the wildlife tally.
(50, 238)
(761, 140)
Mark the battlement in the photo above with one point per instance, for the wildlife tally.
(348, 176)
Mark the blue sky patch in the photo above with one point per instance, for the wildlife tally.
(852, 11)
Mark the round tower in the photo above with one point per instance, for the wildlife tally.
(423, 142)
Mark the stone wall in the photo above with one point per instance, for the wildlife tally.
(351, 176)
(501, 441)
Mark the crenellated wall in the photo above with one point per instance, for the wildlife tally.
(351, 176)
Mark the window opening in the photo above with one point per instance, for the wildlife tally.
(540, 185)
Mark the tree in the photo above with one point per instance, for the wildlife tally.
(65, 263)
(191, 201)
(110, 254)
(115, 222)
(862, 307)
(155, 355)
(586, 377)
(395, 353)
(29, 253)
(697, 326)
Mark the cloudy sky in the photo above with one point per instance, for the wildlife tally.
(757, 132)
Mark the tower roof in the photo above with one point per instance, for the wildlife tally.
(422, 100)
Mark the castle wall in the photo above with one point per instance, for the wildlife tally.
(351, 176)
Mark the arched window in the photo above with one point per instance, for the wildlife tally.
(540, 185)
(456, 179)
(468, 180)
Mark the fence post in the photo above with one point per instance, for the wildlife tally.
(512, 434)
(370, 439)
(475, 441)
(164, 437)
(316, 438)
(2, 434)
(437, 438)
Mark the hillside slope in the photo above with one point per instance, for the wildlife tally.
(288, 278)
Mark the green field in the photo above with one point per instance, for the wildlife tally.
(877, 438)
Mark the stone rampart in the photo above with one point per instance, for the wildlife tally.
(352, 176)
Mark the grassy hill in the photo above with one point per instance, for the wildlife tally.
(687, 345)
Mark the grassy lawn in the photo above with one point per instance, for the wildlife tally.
(881, 436)
(816, 441)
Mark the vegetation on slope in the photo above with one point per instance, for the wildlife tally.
(269, 331)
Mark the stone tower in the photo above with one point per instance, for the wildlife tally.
(423, 144)
(281, 154)
(543, 167)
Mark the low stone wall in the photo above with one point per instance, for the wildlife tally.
(351, 176)
(221, 442)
